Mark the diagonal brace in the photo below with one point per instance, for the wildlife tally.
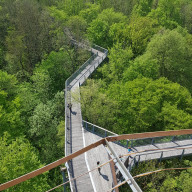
(126, 174)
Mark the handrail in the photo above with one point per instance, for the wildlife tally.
(85, 149)
(106, 132)
(78, 72)
(134, 161)
(151, 134)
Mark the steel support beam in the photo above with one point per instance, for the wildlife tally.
(126, 174)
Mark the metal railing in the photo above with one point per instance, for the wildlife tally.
(158, 140)
(101, 49)
(101, 132)
(160, 155)
(79, 73)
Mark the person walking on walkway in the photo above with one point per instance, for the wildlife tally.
(99, 168)
(69, 106)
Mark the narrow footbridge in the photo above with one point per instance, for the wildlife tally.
(86, 144)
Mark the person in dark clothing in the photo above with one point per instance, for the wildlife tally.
(69, 106)
(99, 168)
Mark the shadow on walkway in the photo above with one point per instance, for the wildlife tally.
(104, 177)
(73, 112)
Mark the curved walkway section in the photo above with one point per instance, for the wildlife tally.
(73, 121)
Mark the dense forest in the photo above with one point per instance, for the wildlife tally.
(144, 85)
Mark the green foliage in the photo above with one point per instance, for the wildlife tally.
(123, 6)
(61, 134)
(142, 66)
(99, 28)
(171, 180)
(119, 60)
(43, 128)
(90, 13)
(175, 118)
(10, 119)
(77, 25)
(17, 158)
(41, 82)
(186, 14)
(145, 107)
(96, 106)
(167, 13)
(29, 36)
(28, 100)
(72, 7)
(170, 50)
(141, 30)
(53, 71)
(58, 14)
(135, 35)
(136, 94)
(143, 7)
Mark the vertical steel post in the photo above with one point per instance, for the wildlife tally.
(64, 177)
(161, 156)
(127, 143)
(182, 154)
(131, 143)
(93, 128)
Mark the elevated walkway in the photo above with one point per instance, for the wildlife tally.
(85, 144)
(79, 134)
(74, 138)
(145, 149)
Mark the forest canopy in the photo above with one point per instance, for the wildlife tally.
(144, 85)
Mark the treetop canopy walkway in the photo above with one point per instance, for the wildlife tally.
(86, 144)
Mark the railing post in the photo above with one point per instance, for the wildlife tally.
(64, 177)
(161, 157)
(105, 134)
(131, 143)
(93, 128)
(86, 126)
(127, 143)
(152, 142)
(182, 154)
(173, 138)
(138, 160)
